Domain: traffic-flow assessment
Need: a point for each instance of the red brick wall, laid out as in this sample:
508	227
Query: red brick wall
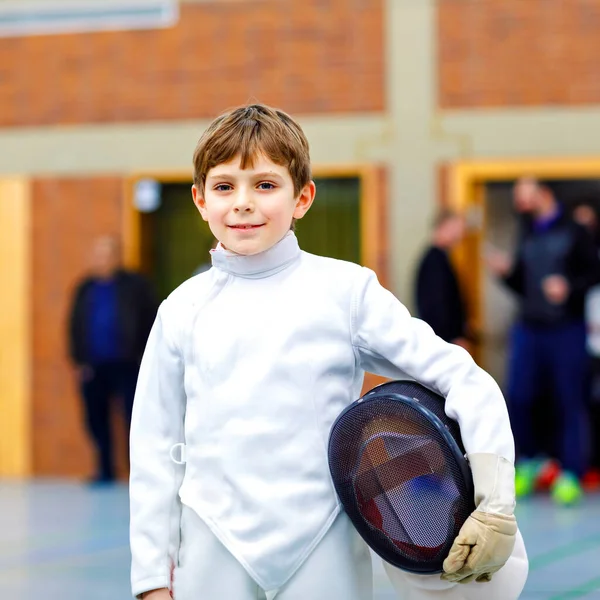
67	214
518	52
305	56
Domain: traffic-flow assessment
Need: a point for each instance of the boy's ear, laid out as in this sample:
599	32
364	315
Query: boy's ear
305	200
199	202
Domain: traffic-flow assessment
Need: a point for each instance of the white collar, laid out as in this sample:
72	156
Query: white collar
257	266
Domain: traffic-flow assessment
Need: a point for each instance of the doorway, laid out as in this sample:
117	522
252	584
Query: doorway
501	231
347	221
170	241
482	191
175	241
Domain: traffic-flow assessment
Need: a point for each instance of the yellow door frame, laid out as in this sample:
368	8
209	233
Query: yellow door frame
373	211
467	180
15	324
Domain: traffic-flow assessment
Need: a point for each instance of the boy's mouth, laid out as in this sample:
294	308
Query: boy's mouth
245	226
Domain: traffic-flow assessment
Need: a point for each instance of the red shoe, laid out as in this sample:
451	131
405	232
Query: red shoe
591	480
549	472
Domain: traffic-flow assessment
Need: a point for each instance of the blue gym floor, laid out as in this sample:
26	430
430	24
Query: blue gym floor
67	542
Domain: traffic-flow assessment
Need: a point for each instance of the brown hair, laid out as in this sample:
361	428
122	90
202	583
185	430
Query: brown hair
247	131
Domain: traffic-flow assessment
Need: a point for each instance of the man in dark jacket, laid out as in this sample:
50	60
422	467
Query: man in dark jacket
110	320
438	297
554	267
585	213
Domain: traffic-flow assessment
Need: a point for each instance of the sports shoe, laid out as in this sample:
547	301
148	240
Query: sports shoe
591	480
567	490
548	473
526	473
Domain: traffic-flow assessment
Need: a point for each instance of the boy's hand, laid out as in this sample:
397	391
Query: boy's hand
162	594
482	547
487	538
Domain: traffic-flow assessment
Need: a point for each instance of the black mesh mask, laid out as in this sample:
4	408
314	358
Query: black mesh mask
399	468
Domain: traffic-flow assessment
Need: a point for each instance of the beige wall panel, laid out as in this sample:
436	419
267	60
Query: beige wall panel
526	132
167	146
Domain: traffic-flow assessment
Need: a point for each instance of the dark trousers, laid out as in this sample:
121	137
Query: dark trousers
595	412
555	356
107	381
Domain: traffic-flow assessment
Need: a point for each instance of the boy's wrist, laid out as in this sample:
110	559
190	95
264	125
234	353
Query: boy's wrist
494	482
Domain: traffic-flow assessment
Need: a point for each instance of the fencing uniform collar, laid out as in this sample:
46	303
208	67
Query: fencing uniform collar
263	264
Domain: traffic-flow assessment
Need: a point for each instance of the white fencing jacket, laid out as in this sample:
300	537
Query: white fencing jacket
249	364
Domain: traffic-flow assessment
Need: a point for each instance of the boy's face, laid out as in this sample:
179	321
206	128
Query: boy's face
250	210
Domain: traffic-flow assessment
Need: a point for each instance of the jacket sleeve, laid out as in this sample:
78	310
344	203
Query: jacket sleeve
515	278
389	342
157	425
75	325
584	263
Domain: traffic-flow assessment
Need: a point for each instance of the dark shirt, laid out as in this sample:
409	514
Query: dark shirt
545	223
438	298
131	312
103	322
557	247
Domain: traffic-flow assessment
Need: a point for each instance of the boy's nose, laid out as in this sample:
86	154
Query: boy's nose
243	203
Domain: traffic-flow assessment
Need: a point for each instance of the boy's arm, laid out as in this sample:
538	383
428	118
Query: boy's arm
389	342
157	425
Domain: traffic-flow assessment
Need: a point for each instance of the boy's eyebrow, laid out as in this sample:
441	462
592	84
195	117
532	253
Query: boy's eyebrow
266	174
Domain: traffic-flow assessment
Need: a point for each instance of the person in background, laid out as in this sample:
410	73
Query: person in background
110	319
438	297
553	268
585	214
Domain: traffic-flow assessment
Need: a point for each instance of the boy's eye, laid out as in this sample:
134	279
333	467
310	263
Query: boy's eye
222	187
266	185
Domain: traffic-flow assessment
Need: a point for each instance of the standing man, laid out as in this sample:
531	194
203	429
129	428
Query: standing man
554	266
585	214
438	298
110	320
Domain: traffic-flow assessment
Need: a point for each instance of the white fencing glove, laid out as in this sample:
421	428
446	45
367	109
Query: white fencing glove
487	538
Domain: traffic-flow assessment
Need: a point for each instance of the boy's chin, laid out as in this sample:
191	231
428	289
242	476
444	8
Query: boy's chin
248	248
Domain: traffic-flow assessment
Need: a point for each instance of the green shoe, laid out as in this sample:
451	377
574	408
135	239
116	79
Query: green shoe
526	473
567	490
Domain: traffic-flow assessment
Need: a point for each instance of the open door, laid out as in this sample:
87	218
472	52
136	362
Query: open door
483	192
171	242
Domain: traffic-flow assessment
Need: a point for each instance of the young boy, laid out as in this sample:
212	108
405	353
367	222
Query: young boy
247	367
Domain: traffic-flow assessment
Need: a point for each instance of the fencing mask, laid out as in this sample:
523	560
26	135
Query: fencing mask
399	468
